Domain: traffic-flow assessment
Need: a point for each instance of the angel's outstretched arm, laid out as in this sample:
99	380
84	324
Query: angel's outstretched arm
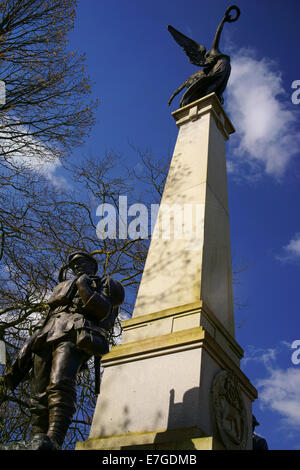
227	19
181	87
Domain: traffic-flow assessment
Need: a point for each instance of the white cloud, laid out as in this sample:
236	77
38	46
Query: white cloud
260	111
46	168
279	390
294	246
24	151
291	252
265	356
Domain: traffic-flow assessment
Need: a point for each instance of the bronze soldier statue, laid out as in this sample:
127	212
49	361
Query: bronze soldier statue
217	68
81	312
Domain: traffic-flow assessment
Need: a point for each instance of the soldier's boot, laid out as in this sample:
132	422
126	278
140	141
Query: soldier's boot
59	422
41	441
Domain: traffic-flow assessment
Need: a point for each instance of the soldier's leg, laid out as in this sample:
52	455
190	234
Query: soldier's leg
39	401
67	360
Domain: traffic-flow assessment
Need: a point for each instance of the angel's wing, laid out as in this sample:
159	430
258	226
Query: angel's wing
195	51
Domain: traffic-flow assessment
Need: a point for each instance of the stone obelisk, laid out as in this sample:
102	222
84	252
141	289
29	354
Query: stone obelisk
175	381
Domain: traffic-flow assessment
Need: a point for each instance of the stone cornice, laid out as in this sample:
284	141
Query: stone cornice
186	309
197	109
173	343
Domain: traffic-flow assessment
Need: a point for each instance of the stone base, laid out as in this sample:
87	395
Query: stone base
158	389
16	445
176	439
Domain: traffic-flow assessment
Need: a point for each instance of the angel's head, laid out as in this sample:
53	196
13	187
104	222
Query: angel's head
210	57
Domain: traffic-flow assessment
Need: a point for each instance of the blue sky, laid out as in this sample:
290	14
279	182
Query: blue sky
135	66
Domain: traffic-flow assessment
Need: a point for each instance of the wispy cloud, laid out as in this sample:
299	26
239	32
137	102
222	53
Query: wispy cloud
291	252
260	110
264	356
279	390
25	151
47	169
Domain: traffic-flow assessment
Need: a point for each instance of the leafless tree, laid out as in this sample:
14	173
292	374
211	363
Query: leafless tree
41	226
46	111
44	117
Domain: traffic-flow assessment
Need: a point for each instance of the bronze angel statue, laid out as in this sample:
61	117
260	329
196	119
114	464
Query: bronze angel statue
216	65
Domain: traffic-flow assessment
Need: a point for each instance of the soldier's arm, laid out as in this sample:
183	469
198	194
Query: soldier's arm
97	304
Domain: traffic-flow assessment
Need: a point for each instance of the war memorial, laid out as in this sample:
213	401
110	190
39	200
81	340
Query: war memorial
174	382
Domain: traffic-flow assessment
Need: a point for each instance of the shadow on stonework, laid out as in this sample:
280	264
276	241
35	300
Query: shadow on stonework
182	426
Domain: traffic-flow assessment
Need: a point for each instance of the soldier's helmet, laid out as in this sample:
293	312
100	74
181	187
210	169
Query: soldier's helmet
115	289
82	254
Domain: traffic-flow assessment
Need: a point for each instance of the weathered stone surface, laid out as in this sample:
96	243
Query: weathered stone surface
16	445
2	352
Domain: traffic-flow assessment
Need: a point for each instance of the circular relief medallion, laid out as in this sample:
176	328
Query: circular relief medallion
229	411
